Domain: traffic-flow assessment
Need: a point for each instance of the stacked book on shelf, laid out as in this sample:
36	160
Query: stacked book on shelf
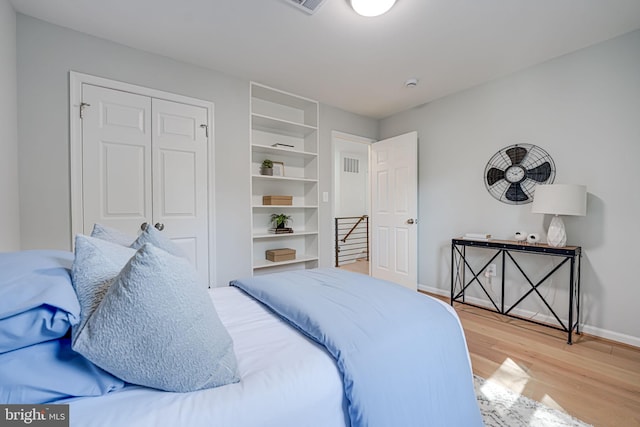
281	230
485	237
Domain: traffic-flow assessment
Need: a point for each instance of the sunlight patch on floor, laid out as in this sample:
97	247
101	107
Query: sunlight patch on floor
548	400
511	375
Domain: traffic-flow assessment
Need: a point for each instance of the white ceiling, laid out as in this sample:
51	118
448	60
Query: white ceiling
345	60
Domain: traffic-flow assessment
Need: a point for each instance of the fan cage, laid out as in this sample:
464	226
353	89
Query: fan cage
534	157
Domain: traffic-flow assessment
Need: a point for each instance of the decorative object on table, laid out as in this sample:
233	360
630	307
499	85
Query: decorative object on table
283	254
512	174
520	236
278	169
267	167
282	230
281	145
280	220
477	236
277	200
559	199
533	238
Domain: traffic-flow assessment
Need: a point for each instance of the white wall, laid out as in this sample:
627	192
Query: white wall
9	202
351	189
584	109
46	54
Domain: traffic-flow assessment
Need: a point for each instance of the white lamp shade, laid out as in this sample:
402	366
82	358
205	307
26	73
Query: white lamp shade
372	7
560	199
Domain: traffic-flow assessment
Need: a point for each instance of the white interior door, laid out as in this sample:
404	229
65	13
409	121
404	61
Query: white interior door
116	159
180	202
394	200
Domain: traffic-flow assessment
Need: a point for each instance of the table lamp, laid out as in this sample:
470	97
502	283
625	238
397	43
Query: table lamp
559	199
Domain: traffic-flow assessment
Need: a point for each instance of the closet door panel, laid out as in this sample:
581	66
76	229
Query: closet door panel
116	155
178	172
180	176
123	181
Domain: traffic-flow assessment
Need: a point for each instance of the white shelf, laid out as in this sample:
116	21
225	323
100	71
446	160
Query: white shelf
284	235
285	207
280	127
285	100
283	178
265	263
257	148
279	117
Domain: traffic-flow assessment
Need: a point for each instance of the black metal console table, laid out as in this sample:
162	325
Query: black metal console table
459	284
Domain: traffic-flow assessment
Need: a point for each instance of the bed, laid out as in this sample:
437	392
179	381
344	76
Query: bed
290	367
277	366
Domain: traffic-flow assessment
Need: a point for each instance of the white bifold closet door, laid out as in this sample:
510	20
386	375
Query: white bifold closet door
145	161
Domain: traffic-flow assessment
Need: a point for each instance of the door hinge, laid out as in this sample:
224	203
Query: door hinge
82	107
206	130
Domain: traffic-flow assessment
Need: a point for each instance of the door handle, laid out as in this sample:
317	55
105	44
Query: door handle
159	226
412	221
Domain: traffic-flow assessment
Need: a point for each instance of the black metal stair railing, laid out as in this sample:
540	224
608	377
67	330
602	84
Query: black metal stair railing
351	239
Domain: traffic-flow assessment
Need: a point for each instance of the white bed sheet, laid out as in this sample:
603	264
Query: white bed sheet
286	380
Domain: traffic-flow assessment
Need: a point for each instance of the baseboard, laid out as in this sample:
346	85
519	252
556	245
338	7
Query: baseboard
611	335
587	329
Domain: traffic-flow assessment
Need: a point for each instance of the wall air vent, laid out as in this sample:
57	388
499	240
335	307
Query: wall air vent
351	165
309	6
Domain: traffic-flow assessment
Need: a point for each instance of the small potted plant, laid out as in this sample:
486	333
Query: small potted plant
280	220
267	167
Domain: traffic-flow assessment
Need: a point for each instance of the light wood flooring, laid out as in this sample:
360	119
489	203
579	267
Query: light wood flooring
359	266
595	380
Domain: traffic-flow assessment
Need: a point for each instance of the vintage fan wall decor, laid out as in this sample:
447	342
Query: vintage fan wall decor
512	174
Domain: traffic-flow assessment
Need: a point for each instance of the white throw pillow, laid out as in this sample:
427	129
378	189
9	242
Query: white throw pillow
159	240
112	235
157	327
96	265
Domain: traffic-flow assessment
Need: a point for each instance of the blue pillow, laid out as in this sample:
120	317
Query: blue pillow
37	300
112	235
159	240
157	327
95	266
48	372
148	235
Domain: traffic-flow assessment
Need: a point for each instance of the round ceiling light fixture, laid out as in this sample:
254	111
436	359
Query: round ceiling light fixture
372	7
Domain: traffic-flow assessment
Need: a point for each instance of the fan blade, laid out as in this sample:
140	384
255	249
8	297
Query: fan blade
494	175
515	193
540	173
516	154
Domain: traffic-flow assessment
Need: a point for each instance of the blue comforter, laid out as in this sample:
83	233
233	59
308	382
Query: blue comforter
402	354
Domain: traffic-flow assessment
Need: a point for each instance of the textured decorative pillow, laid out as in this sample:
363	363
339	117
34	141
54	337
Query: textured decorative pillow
112	235
96	265
37	300
159	240
51	371
158	328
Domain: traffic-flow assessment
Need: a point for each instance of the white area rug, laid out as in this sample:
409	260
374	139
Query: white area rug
500	407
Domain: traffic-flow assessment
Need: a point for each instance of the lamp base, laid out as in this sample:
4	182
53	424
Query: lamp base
557	236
